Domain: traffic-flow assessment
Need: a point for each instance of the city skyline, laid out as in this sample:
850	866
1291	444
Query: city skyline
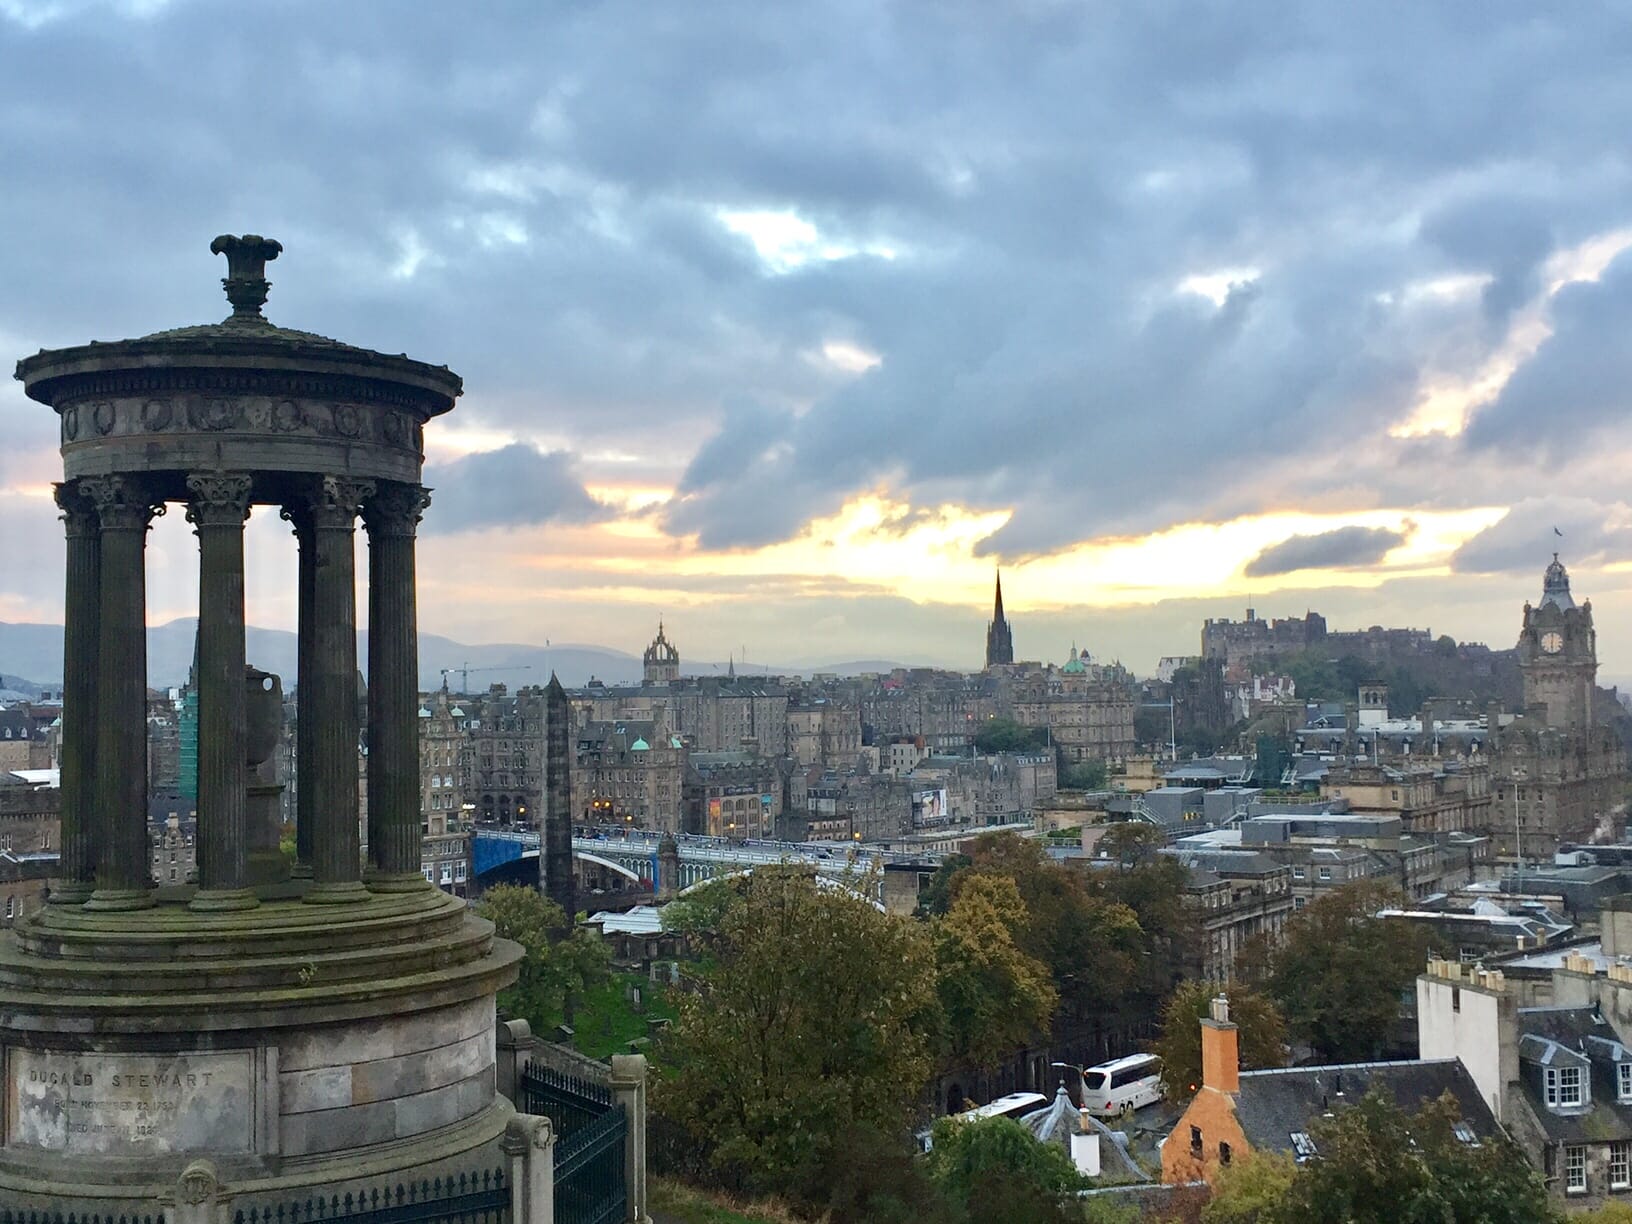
1169	315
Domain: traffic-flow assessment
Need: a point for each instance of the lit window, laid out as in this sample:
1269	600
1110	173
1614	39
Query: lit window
1620	1164
1575	1170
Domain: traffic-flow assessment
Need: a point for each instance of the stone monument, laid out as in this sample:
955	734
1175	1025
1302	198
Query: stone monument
297	1024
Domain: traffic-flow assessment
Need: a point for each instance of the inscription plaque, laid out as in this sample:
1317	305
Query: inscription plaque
131	1104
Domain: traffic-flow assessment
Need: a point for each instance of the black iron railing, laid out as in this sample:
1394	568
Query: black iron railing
589	1173
469	1198
568	1101
13	1215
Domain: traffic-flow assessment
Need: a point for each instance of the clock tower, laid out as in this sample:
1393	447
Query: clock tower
1558	653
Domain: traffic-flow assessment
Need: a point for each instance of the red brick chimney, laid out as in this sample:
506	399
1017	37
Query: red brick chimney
1220	1050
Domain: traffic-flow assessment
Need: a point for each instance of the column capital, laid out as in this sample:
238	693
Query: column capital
395	509
335	501
122	501
78	510
217	499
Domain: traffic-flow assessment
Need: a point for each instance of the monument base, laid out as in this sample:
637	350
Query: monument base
293	1054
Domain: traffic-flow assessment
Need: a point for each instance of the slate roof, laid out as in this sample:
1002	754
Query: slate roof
1274	1105
1573	1036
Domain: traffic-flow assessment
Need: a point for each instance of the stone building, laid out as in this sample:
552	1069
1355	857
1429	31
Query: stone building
23	742
1088	708
733	794
1561	772
626	773
823	732
1441	796
1236	895
501	763
942	709
29	818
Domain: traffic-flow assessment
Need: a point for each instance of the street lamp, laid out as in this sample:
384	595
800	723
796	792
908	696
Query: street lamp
1082	1080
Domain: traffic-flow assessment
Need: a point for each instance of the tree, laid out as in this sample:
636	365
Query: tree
994	997
1006	735
1379	1165
1085	775
937	896
1340	971
1261	1033
817	1017
1251	1191
1002	1172
551	969
1131	842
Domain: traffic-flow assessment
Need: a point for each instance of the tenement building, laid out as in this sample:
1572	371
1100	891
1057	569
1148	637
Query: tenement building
277	1028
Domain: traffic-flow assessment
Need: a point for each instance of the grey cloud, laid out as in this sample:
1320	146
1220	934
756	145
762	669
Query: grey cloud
1034	354
1338	549
514	486
1524	539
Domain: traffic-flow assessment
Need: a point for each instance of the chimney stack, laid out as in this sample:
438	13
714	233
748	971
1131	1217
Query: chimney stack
1220	1049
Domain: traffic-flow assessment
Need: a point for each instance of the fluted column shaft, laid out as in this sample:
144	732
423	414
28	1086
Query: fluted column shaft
336	848
124	878
391	517
217	506
299	517
81	615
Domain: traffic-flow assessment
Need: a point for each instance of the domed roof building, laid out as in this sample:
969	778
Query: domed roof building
661	660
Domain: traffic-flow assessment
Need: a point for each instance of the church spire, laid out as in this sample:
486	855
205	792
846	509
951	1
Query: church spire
999	636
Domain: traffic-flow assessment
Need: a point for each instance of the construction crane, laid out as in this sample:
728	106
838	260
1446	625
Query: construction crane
466	669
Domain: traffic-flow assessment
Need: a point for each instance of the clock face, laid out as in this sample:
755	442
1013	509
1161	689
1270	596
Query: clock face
1552	643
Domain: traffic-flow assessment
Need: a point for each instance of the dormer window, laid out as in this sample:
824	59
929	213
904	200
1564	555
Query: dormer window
1563	1087
1623	1081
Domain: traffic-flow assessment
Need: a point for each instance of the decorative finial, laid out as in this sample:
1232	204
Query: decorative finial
245	281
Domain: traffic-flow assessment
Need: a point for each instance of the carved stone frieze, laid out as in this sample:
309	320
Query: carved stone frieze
261	415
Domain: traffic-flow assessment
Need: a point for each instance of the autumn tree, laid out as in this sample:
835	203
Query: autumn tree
1253	1190
1261	1033
818	1016
994	996
1339	970
552	968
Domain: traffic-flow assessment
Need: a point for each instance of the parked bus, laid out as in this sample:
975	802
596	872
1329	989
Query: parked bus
1015	1105
1122	1085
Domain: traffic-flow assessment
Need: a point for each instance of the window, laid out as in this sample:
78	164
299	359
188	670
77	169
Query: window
1575	1170
1623	1080
1195	1140
1223	1153
1303	1147
1297	902
1620	1165
1563	1086
1297	873
1325	873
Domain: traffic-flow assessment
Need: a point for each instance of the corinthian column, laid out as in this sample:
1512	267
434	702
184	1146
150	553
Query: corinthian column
81	614
124	879
391	516
299	517
217	507
333	507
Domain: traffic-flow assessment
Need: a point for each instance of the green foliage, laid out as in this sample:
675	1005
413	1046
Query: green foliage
1131	842
817	1017
994	997
937	897
1000	1171
1006	735
1252	1190
551	968
1378	1164
1261	1033
701	913
1339	972
1086	775
1609	1213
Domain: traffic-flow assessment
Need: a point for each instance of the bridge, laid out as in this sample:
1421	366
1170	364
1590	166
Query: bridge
626	859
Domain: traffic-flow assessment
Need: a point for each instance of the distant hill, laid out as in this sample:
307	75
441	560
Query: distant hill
35	651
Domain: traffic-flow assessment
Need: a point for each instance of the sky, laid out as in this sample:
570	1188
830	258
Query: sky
790	323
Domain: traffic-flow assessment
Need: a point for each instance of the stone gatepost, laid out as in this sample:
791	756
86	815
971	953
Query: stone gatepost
629	1090
529	1142
198	1197
512	1047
